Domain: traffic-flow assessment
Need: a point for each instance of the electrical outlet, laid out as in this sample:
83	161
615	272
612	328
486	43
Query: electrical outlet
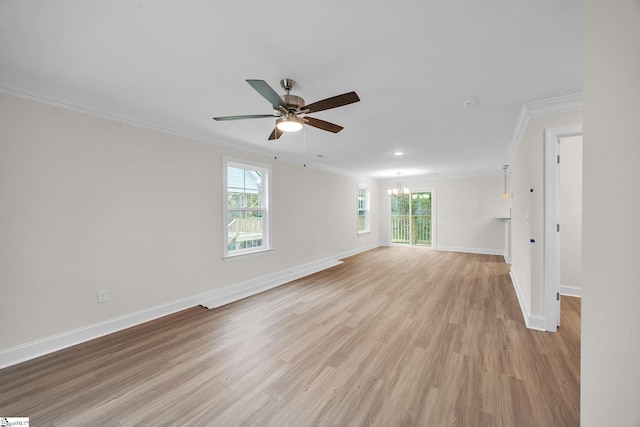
103	296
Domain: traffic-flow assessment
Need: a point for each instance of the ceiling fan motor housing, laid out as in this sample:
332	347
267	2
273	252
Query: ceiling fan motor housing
293	101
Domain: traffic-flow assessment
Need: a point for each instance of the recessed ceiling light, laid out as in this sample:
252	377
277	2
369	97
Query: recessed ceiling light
398	153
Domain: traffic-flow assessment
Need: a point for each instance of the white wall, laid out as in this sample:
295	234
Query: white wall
570	213
610	379
466	212
87	203
527	211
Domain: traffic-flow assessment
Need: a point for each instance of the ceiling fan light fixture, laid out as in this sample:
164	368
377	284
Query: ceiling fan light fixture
289	123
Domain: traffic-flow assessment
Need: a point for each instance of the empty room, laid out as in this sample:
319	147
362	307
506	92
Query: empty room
360	213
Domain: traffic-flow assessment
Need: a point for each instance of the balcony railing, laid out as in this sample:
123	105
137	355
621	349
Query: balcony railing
415	229
242	230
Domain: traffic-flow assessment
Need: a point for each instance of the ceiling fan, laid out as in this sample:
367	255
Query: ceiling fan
291	112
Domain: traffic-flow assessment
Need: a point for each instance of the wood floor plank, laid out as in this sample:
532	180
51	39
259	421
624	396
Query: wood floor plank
393	336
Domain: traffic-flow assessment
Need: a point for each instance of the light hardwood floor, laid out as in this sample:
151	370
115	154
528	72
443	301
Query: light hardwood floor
392	337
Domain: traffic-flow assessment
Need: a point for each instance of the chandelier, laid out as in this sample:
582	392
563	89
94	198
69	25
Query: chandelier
398	190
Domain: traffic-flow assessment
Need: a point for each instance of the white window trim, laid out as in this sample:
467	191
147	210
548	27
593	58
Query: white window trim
266	198
367	208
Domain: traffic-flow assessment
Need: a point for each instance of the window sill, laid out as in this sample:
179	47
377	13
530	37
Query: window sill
245	255
364	232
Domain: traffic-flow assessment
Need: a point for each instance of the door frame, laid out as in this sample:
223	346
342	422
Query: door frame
434	203
552	138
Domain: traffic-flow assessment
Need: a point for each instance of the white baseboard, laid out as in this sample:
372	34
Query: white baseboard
533	322
211	299
347	254
507	259
481	251
238	291
571	291
34	349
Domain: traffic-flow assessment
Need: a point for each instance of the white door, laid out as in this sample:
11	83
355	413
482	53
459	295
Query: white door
553	226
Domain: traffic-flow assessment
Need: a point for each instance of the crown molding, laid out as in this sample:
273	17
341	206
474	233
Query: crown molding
38	92
545	107
44	94
438	177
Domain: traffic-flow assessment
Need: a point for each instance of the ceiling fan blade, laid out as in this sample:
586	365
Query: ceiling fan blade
333	102
321	124
268	93
277	133
250	116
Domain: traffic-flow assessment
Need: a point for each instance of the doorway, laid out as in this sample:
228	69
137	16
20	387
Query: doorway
411	218
553	226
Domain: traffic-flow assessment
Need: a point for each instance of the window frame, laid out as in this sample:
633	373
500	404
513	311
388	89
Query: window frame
265	170
366	209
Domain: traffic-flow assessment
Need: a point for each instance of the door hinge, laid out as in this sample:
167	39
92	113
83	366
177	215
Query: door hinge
558	227
557	296
558	158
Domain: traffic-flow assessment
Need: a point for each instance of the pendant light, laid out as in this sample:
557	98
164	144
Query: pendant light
505	193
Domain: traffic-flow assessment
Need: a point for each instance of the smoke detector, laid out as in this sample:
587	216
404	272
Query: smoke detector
469	102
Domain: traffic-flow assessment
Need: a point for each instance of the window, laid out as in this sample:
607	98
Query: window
363	210
246	207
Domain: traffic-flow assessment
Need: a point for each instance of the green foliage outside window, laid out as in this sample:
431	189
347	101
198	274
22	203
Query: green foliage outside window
411	218
243	200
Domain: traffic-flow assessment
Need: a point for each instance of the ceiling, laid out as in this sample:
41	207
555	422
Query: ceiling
175	65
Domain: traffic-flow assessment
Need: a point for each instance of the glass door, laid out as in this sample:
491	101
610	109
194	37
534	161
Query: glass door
411	218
